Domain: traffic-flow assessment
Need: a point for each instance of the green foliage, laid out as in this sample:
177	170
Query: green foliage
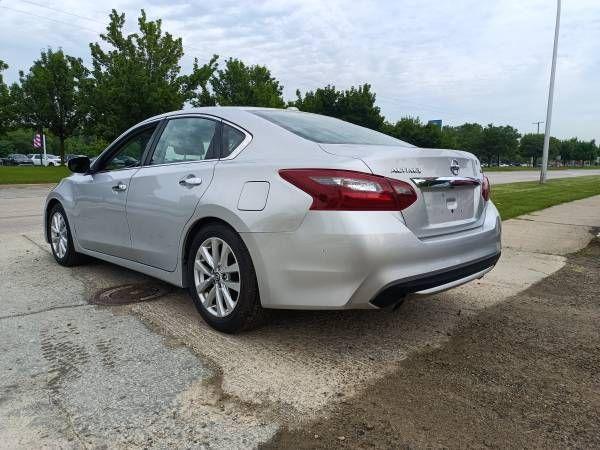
241	85
50	95
469	137
85	145
413	131
140	76
8	103
532	145
586	151
515	199
499	142
5	101
355	105
29	174
20	140
16	141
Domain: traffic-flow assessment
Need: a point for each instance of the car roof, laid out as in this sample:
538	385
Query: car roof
226	112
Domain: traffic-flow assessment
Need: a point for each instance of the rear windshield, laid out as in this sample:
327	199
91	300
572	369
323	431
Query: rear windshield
326	130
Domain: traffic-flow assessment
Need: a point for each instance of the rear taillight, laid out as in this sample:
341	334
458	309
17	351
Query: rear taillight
346	190
485	188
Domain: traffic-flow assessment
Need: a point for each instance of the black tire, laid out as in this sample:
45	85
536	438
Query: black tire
71	257
247	313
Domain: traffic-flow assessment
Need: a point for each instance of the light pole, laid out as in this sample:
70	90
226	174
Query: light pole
550	98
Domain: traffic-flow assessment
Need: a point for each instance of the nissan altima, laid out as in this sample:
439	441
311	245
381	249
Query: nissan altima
255	208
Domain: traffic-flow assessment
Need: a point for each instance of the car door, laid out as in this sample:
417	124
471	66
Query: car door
100	220
165	192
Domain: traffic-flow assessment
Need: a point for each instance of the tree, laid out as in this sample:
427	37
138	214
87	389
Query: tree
241	85
585	151
50	95
411	130
499	142
567	149
532	145
6	102
140	76
355	105
470	137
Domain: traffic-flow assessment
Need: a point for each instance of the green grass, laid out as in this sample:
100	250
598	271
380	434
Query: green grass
32	175
515	199
537	169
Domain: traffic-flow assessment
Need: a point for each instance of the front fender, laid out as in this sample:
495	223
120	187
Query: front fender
63	194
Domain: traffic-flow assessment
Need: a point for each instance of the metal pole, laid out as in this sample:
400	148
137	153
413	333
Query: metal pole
550	98
45	159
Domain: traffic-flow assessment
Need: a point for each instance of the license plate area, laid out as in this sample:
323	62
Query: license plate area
449	205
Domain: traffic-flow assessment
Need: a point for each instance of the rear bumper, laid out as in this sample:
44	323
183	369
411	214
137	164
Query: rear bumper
437	281
345	259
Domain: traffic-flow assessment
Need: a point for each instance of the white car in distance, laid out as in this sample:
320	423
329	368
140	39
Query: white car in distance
48	160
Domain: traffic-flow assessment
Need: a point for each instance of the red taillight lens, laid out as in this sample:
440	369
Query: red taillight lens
485	188
346	190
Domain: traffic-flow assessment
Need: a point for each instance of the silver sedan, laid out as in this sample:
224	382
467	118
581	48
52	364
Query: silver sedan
253	208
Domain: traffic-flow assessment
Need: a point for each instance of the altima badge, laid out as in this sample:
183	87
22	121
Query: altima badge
454	167
406	170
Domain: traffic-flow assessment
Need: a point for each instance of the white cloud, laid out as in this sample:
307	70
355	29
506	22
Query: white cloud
460	61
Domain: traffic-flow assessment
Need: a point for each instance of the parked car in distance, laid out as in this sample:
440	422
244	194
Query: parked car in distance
17	159
48	161
253	208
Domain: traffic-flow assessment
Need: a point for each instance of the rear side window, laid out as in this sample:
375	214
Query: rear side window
326	130
232	138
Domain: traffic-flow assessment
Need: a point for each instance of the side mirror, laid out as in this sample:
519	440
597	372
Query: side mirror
80	164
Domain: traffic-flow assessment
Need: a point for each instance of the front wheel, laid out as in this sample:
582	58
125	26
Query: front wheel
222	281
61	240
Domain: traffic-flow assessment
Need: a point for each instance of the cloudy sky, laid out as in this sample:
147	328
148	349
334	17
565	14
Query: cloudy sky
461	60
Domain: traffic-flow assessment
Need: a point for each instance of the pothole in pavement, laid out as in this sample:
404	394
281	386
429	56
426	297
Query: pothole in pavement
130	293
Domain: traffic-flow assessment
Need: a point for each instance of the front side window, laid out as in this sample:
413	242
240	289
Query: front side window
187	139
232	138
130	152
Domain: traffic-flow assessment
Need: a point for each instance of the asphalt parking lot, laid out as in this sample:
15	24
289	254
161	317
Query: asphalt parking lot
152	374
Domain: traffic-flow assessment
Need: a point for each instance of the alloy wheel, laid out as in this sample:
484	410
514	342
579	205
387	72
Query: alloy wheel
217	277
58	235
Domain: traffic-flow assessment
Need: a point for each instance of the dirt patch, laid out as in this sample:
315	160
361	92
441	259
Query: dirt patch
524	373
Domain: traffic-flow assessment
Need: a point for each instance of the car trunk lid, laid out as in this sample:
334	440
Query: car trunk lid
447	182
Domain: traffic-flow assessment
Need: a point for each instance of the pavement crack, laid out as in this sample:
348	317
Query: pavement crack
39	311
37	244
69	418
552	223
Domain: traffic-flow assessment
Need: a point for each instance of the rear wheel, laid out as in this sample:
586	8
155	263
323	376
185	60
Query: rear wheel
61	240
222	280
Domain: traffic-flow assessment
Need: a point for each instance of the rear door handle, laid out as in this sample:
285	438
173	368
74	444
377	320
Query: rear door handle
191	181
120	187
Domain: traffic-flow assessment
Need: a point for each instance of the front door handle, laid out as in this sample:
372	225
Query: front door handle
191	181
120	187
